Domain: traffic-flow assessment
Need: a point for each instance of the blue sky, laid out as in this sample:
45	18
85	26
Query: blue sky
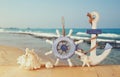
48	13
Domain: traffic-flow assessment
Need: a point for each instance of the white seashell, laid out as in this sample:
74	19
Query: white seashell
29	60
49	65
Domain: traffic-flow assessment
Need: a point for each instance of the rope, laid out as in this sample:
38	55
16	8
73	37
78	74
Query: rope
92	47
94	37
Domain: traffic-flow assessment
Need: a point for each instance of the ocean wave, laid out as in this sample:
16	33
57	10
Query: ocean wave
82	35
51	35
108	35
2	30
111	35
36	34
78	38
40	34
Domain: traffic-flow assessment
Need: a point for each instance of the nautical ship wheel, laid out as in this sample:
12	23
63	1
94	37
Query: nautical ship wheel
63	47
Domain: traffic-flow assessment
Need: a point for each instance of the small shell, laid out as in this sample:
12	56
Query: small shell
29	60
49	65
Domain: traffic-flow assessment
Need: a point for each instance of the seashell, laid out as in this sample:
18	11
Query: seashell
49	65
29	60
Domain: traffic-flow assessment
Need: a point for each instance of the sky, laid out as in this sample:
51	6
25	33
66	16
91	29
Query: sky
48	13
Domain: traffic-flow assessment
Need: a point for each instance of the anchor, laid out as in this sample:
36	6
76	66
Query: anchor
94	59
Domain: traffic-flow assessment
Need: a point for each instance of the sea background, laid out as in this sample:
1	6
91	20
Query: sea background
34	38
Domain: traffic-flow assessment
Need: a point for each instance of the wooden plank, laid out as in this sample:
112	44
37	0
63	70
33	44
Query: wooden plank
104	71
116	70
74	72
95	71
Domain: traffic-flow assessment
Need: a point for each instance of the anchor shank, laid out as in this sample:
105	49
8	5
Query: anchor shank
93	41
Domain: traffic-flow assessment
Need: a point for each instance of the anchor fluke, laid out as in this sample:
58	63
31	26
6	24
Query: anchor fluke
97	59
108	46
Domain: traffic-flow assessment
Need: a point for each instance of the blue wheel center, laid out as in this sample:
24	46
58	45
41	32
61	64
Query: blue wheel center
64	48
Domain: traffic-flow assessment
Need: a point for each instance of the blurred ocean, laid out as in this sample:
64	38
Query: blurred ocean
107	34
35	38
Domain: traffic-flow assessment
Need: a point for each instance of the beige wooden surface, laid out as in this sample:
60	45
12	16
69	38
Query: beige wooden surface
96	71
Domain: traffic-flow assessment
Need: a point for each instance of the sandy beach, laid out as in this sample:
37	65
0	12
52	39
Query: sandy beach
9	55
10	68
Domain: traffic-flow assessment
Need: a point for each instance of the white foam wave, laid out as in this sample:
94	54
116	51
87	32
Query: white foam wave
40	34
51	35
7	31
109	35
37	34
43	34
99	40
78	38
2	30
82	33
107	40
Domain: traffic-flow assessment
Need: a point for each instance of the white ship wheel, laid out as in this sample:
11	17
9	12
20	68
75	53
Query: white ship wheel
63	47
